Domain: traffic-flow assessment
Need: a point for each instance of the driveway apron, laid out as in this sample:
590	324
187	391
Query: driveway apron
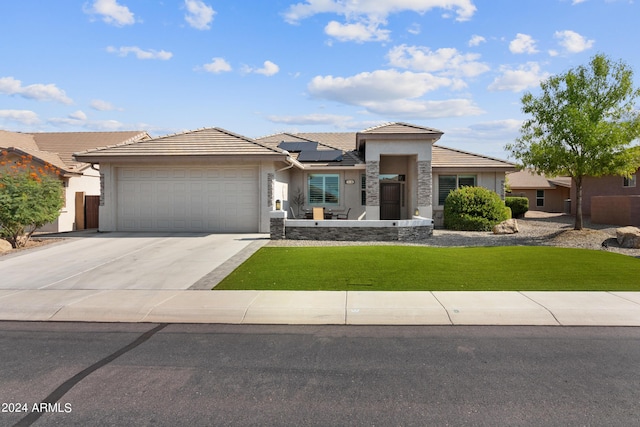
122	261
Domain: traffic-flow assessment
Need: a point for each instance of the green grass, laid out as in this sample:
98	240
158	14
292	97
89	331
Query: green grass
411	268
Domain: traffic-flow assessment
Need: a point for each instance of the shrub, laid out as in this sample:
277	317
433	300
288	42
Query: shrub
519	205
30	197
474	209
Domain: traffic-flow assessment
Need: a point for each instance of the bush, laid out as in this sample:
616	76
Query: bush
474	209
30	197
519	205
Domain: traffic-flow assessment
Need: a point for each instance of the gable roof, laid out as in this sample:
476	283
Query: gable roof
212	142
57	148
400	127
452	159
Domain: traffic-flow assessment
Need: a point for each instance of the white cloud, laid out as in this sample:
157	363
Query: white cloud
573	42
574	2
268	69
523	43
78	115
498	126
363	18
217	66
140	53
111	12
376	10
312	119
447	61
24	117
40	92
100	105
476	40
96	125
414	29
199	15
516	80
379	85
358	32
392	93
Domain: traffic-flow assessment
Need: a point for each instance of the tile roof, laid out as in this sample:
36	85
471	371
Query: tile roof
200	142
444	158
44	156
400	127
59	146
527	179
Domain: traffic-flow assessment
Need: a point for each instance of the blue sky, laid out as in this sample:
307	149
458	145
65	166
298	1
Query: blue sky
258	67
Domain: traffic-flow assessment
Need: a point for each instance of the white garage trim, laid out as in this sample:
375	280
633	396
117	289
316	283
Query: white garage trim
190	199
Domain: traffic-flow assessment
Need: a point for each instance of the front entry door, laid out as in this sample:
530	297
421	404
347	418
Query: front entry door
390	200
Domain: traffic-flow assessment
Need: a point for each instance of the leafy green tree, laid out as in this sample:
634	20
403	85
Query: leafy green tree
30	197
583	124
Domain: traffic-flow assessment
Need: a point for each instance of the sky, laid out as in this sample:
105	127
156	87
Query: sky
259	67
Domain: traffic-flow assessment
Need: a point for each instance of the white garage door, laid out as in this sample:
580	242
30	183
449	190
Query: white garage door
221	199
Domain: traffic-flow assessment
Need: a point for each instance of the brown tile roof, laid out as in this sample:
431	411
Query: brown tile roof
42	157
399	127
59	146
17	139
449	158
527	179
201	142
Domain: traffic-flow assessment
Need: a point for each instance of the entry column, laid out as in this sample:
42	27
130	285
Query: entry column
373	189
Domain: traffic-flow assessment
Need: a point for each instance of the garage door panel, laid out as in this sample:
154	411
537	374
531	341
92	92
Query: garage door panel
188	199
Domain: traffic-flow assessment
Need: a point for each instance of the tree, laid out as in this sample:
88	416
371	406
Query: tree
583	124
30	197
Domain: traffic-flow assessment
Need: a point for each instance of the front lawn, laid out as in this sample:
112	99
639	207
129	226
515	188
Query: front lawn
417	268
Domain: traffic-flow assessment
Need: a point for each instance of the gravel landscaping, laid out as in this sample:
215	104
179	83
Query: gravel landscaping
535	229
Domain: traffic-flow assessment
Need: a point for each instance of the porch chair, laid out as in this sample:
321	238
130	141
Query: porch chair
318	213
344	215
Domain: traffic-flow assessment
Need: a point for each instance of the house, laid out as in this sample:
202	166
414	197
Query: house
544	194
610	199
80	179
214	180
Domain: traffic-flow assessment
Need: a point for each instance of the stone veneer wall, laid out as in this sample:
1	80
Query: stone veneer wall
425	177
373	183
360	234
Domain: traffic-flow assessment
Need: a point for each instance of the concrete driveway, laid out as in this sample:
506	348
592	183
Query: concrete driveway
122	261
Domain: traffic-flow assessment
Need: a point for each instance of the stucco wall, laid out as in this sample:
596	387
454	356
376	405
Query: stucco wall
616	210
603	186
553	199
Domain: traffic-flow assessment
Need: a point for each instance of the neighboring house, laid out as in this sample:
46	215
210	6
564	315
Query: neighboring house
544	194
79	179
610	199
213	180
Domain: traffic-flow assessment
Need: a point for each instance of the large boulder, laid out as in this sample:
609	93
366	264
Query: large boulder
4	246
509	226
628	237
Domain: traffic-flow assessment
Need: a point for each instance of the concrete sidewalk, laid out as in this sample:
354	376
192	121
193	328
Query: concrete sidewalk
339	307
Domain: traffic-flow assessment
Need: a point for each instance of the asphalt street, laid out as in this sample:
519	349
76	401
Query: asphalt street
169	374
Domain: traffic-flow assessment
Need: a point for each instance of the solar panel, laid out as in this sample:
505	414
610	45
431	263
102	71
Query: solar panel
320	156
296	147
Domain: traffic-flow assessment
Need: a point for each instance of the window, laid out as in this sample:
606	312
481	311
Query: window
629	182
363	190
448	183
324	189
540	198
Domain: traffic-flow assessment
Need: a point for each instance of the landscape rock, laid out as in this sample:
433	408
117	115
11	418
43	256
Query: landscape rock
4	246
628	237
509	226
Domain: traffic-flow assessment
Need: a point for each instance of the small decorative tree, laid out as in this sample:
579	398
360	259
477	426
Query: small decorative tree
30	197
298	201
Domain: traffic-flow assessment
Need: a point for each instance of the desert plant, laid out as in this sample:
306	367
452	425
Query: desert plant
298	201
519	205
474	209
30	197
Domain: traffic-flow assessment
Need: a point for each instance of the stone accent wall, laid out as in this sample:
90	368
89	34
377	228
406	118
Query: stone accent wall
270	179
373	183
277	228
359	234
425	186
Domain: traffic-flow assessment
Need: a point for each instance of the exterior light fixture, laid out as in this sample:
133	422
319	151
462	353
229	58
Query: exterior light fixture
350	181
278	205
417	212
